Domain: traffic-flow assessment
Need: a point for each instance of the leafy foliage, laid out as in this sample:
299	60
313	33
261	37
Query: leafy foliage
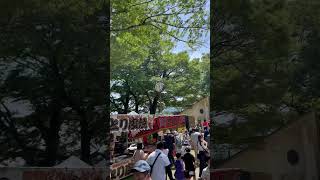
56	51
264	68
143	36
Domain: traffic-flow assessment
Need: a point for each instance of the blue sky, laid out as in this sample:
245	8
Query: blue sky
197	53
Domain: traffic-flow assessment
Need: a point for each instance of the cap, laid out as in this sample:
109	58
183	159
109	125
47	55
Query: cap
141	166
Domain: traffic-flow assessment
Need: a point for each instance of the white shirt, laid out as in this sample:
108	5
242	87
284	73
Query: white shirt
166	151
186	137
159	168
206	173
194	137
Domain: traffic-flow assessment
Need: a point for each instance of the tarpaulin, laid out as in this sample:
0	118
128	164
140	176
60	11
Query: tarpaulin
162	123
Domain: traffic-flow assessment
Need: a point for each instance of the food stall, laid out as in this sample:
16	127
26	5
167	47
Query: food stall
127	130
121	127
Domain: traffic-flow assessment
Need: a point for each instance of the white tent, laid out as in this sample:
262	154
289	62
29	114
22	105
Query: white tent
133	113
73	162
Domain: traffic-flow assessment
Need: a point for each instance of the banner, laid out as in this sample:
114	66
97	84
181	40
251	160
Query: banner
121	169
123	122
170	122
163	122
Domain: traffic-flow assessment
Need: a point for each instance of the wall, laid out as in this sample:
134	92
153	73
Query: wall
195	110
271	156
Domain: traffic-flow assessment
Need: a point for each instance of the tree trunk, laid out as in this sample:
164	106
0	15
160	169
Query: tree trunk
85	140
53	136
136	104
136	109
154	104
126	104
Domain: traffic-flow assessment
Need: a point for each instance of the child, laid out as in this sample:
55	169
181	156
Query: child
185	146
189	162
179	165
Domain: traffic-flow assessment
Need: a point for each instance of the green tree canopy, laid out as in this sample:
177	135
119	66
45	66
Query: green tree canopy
144	34
264	68
53	48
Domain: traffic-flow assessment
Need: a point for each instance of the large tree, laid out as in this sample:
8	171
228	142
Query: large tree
58	53
249	59
261	59
143	36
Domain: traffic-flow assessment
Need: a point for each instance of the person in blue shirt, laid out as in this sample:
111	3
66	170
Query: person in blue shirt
206	133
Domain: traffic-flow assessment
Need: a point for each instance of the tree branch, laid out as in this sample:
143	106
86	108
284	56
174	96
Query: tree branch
144	21
180	27
149	98
126	10
141	3
171	35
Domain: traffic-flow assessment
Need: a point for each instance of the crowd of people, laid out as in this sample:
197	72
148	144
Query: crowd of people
174	151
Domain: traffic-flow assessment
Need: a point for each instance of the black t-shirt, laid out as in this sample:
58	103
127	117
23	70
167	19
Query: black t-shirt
169	140
188	161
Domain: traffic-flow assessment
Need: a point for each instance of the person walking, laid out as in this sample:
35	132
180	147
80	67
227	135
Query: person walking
206	171
205	125
166	152
206	133
186	136
202	154
178	140
170	143
179	165
159	163
141	170
194	141
189	162
165	149
194	138
139	154
185	145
